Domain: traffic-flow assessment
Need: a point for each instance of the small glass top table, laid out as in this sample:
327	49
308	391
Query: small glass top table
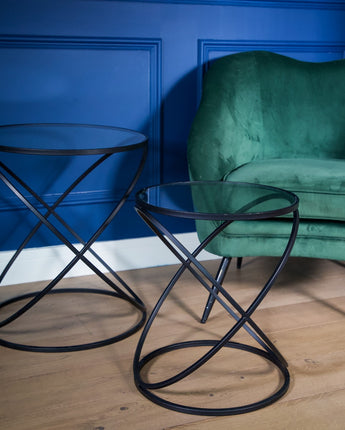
222	203
68	140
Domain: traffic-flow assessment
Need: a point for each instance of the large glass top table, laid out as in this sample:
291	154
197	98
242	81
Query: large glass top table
94	144
220	203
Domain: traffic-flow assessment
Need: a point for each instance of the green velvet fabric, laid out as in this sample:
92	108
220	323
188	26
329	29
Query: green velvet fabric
319	184
270	119
317	239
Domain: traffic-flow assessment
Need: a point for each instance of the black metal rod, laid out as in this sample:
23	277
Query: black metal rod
217	411
222	270
50	209
132	298
242	320
71	348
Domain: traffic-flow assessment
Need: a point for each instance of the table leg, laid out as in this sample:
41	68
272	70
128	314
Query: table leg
118	287
243	319
223	268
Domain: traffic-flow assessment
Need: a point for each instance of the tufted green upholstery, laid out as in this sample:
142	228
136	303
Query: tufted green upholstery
270	119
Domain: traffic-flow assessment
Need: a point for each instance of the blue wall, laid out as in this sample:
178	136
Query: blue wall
137	65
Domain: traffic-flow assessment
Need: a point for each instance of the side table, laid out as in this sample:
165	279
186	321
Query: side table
95	144
221	203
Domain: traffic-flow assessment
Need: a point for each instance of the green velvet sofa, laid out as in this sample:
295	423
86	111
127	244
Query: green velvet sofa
270	119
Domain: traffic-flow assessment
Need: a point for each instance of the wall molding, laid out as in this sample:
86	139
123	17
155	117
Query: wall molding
152	46
42	264
73	199
296	4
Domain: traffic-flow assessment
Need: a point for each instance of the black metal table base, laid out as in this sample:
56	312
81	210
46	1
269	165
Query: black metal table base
147	389
243	320
61	229
71	348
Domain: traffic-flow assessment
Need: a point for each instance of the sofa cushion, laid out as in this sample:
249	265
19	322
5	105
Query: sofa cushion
319	184
321	239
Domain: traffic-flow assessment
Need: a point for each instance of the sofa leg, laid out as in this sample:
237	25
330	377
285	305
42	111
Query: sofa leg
239	262
223	268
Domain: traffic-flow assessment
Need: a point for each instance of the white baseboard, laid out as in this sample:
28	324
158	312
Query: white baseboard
39	264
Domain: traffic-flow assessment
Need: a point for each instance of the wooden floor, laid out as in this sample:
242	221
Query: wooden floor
304	315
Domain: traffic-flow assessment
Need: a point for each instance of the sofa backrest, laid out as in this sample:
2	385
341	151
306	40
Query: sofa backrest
259	104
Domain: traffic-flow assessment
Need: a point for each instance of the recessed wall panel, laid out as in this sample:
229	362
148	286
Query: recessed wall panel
76	80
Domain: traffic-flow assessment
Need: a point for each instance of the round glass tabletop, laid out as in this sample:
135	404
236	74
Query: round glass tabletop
67	139
217	200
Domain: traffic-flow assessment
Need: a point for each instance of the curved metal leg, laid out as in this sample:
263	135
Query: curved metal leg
123	291
243	319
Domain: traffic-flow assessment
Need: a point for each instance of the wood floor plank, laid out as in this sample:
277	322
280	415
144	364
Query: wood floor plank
319	412
304	315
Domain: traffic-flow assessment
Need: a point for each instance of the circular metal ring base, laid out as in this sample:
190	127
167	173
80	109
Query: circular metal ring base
145	390
80	347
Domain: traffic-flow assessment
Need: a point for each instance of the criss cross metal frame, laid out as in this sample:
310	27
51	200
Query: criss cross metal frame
118	288
243	319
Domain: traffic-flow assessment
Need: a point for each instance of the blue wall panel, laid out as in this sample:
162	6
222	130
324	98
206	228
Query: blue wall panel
79	80
137	64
